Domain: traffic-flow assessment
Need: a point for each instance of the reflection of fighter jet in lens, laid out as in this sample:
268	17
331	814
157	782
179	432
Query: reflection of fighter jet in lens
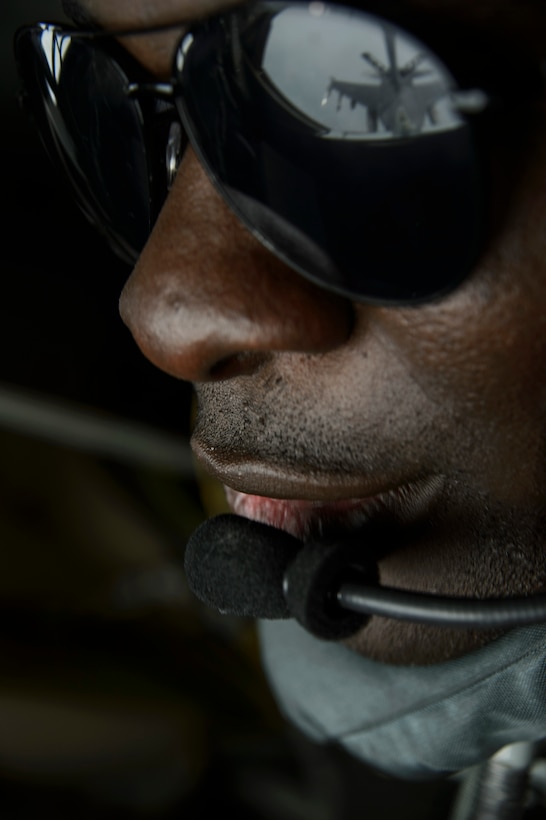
395	102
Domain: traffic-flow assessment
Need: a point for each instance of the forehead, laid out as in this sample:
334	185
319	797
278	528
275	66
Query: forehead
143	13
522	20
128	13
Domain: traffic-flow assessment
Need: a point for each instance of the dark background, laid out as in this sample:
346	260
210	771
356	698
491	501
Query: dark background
119	695
59	323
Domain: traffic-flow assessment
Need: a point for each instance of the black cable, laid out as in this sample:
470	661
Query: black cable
467	613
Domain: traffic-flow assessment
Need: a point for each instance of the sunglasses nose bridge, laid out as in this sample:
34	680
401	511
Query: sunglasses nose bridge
206	299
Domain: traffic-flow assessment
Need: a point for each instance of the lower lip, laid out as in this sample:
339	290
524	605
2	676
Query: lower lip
304	518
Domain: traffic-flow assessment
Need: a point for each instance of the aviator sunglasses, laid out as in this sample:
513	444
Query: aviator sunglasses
354	145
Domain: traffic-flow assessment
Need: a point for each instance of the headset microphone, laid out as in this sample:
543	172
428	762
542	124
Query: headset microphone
245	568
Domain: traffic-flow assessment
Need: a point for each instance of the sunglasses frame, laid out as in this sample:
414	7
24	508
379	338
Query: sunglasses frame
500	82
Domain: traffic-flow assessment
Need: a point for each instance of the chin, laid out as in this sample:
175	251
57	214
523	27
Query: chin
406	644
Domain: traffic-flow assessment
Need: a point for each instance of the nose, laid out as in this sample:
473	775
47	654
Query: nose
207	300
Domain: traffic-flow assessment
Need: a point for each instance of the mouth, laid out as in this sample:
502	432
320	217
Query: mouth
401	506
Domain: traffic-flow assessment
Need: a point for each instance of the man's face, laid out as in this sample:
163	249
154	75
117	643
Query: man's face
427	421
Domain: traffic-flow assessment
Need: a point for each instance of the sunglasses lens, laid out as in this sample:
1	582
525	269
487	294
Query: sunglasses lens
333	135
78	96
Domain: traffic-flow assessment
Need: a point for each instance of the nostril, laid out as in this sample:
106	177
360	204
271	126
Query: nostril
237	364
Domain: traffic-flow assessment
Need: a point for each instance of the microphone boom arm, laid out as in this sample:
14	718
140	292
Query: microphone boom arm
457	613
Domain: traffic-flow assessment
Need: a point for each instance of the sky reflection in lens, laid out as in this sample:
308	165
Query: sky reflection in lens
359	77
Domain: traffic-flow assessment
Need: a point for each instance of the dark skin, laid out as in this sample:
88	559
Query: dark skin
304	395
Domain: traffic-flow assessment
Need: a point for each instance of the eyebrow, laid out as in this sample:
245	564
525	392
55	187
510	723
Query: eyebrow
90	26
93	26
78	13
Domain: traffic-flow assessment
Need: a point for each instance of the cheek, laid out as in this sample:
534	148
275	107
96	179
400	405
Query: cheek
483	347
474	352
479	358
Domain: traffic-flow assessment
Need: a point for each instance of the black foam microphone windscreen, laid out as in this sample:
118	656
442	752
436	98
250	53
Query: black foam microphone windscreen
237	566
241	567
315	576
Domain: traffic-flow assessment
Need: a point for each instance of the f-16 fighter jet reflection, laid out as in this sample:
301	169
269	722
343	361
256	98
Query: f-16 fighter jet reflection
396	102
